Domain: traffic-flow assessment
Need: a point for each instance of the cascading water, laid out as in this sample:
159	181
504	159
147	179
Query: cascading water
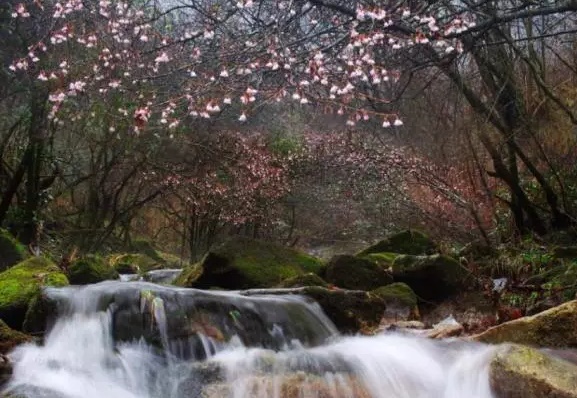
142	340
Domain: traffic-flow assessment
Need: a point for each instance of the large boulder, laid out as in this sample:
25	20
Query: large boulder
90	269
133	263
401	301
405	242
350	272
310	279
523	372
243	263
11	251
432	278
556	327
21	283
352	311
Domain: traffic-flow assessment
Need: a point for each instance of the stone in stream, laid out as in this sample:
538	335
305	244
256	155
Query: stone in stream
523	372
90	269
404	242
292	385
556	327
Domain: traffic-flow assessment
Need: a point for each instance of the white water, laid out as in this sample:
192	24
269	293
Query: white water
80	359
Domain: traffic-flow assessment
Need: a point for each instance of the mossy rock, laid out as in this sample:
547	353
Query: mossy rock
384	260
355	273
21	283
309	279
523	372
556	327
42	313
10	338
432	278
189	275
243	263
90	269
11	251
398	293
405	242
400	300
133	263
167	260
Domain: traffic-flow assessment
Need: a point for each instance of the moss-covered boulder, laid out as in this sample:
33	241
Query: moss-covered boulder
189	275
90	269
165	260
405	242
243	263
384	260
432	278
556	327
21	283
355	273
523	372
11	251
401	302
10	338
309	279
42	313
133	263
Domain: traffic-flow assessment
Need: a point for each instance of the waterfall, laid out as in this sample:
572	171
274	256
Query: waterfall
129	340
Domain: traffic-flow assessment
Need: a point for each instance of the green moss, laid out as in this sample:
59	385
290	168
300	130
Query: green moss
350	272
308	279
11	251
19	285
397	292
405	242
90	269
242	263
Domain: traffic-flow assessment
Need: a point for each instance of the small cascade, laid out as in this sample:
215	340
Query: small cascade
129	340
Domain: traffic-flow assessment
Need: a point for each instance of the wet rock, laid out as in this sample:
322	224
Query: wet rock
523	372
243	263
292	385
90	269
41	314
354	273
11	251
164	276
556	327
10	338
448	327
352	311
309	279
21	283
432	278
405	242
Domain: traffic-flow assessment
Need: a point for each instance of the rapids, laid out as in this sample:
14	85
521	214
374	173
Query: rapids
141	340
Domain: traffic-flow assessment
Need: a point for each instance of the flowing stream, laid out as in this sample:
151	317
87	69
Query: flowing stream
141	340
